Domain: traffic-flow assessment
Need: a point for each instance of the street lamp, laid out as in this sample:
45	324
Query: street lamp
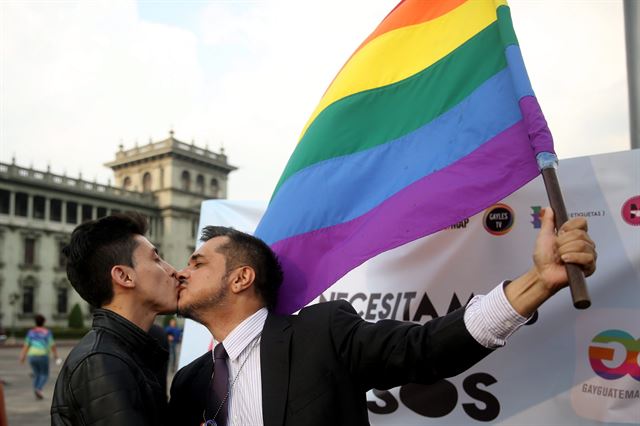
13	301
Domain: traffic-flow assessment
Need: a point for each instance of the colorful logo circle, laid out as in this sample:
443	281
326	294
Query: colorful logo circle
498	219
631	211
602	353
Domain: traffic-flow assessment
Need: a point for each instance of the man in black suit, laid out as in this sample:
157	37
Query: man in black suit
315	368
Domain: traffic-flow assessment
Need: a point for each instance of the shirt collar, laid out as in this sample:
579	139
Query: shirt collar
245	333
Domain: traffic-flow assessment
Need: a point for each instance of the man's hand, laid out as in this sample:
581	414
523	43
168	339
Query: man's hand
572	244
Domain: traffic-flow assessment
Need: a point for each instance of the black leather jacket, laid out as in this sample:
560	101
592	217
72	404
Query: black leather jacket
112	377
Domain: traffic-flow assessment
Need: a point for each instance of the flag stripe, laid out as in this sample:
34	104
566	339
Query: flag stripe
407	12
401	53
387	168
401	218
383	114
411	12
518	72
503	13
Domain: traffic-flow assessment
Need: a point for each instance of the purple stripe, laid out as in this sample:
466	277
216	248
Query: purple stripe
539	133
313	261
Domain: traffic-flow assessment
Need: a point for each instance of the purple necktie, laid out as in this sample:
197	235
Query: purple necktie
220	385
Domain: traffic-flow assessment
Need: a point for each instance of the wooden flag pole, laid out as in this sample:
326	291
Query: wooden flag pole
577	284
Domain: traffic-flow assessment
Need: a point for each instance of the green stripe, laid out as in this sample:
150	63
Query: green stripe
506	26
373	117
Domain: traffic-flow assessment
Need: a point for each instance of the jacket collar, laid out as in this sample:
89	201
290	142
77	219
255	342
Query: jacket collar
139	342
274	364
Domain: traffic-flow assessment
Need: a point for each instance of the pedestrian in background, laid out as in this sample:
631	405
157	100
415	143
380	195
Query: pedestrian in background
37	345
174	334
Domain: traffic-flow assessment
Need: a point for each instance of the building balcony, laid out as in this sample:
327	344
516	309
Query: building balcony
75	185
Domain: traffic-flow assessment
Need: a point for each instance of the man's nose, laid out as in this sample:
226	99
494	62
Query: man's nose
170	269
182	275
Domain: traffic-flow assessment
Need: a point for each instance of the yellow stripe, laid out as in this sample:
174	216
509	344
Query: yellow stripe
401	53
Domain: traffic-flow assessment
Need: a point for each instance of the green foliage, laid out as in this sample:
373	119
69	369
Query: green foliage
68	333
76	320
58	332
166	319
19	332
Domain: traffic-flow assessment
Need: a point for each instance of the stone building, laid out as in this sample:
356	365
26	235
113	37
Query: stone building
165	180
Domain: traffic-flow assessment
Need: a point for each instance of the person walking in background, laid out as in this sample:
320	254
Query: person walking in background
174	334
37	345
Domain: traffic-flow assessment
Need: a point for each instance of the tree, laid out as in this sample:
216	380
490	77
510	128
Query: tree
76	320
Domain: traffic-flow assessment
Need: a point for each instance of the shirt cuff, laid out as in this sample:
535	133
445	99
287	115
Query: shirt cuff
491	319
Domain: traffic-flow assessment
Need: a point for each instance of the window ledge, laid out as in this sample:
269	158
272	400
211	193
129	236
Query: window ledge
24	267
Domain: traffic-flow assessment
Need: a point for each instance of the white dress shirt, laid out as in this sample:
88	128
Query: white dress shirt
490	319
243	347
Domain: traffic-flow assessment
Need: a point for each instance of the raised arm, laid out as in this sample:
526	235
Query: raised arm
572	244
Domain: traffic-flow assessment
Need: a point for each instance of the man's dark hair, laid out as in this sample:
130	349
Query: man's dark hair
96	247
245	249
40	320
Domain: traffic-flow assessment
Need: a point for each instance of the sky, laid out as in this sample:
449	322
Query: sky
78	78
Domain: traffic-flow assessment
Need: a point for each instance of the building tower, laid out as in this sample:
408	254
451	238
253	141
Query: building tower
166	181
179	176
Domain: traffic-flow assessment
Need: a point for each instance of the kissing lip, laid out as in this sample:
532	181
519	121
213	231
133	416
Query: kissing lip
181	286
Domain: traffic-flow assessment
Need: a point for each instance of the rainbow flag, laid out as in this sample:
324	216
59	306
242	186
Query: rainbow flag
431	120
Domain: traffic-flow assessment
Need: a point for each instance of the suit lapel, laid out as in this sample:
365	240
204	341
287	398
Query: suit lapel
201	382
189	391
274	364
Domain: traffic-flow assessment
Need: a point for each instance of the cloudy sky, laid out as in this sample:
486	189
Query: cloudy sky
77	78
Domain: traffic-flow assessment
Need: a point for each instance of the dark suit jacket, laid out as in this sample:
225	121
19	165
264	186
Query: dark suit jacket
318	365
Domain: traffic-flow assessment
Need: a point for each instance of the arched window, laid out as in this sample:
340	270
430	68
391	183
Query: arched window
185	180
146	182
200	184
62	297
126	183
28	295
214	188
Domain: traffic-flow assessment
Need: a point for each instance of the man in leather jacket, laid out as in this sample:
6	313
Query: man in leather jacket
111	376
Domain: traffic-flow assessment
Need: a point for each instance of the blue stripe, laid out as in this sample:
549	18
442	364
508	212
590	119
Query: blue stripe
341	189
515	63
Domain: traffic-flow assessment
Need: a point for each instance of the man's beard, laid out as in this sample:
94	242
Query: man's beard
196	308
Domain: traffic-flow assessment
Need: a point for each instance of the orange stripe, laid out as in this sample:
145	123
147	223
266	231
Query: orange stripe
411	12
407	12
599	352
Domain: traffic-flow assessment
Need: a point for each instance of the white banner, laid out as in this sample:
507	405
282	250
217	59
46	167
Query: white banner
570	367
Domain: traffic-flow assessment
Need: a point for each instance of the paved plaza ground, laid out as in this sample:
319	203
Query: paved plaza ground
23	409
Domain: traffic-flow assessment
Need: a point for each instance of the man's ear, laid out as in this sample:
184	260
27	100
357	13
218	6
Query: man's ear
123	276
242	278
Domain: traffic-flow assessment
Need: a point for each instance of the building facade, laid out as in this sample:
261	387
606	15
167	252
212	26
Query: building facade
166	181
